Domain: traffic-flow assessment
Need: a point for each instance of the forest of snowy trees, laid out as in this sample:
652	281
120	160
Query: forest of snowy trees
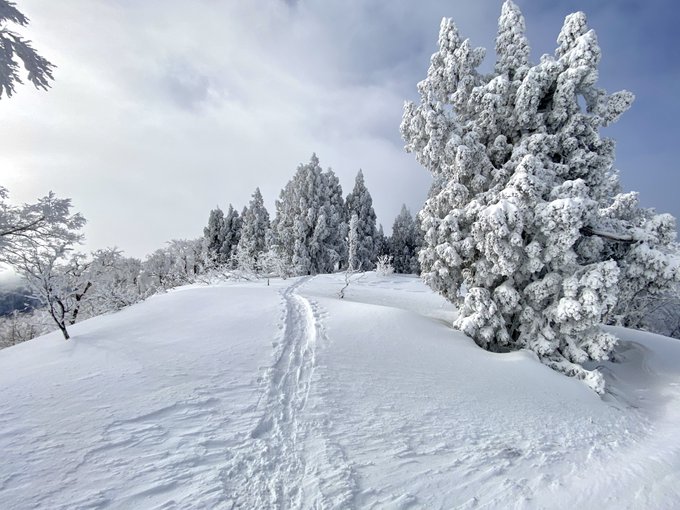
309	234
525	227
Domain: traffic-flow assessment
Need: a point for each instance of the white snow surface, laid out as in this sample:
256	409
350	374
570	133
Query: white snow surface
242	395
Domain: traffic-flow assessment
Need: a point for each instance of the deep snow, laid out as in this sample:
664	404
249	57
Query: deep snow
241	395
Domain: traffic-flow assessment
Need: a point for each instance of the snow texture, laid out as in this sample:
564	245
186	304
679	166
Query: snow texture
244	395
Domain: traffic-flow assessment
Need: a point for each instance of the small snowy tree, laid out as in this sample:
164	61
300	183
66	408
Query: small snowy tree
157	271
359	202
404	243
115	282
353	260
43	260
525	222
353	241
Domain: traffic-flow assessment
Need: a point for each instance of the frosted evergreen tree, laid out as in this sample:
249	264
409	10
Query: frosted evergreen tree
359	202
404	245
381	244
254	232
525	218
214	237
333	251
309	225
231	234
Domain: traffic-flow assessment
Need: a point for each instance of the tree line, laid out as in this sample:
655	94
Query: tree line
315	230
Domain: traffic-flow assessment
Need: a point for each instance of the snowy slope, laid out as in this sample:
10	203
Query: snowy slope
248	396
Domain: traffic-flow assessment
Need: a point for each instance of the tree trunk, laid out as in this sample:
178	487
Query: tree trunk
62	327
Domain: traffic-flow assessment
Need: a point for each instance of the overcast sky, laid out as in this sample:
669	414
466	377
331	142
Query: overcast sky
164	109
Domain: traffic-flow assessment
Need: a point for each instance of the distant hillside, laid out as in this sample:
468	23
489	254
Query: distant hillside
16	298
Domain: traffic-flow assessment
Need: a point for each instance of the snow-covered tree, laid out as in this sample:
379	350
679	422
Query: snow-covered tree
186	256
41	256
115	282
381	242
254	233
404	243
332	246
359	202
14	49
354	261
214	237
157	271
309	225
48	219
273	264
231	235
525	222
17	326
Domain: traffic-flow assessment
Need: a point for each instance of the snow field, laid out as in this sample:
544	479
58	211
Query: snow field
247	396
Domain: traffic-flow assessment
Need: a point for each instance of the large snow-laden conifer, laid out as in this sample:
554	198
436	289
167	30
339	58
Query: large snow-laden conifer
359	202
310	222
525	212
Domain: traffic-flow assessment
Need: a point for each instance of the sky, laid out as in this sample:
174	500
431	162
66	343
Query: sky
164	109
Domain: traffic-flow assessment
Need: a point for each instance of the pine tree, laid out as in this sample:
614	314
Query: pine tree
381	243
359	202
254	232
214	237
231	234
309	225
403	245
525	218
335	215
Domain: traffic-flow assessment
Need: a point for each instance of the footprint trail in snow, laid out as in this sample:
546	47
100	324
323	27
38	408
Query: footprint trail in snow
288	461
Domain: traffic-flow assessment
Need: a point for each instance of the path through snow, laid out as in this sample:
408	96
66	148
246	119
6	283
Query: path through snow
288	461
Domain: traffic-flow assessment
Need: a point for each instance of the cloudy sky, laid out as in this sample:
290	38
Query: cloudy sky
164	109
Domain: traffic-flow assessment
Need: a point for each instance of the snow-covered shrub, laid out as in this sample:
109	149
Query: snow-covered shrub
18	327
384	266
526	211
